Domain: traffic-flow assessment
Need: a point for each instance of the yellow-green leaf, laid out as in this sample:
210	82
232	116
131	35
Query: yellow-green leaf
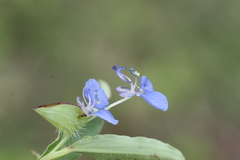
67	118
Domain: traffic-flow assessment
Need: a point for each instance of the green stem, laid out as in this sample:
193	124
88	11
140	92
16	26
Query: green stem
64	140
57	154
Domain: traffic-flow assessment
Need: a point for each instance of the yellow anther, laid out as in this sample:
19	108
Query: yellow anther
136	73
140	89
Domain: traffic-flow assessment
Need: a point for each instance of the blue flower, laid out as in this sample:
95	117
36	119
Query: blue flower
146	91
96	101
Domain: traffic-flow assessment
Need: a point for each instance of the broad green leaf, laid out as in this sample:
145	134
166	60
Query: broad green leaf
65	117
110	147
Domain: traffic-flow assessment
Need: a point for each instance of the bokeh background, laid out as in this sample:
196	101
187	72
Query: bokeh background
188	49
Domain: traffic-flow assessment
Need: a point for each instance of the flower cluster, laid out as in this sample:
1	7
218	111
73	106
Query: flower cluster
95	102
156	99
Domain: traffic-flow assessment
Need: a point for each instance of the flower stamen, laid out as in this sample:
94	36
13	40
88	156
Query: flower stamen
134	72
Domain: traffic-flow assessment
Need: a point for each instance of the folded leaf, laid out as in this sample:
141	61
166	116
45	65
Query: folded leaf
65	117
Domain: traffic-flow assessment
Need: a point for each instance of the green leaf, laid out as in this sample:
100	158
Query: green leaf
109	147
93	127
68	118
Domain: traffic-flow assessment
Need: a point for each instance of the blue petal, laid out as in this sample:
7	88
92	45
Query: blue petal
146	84
156	99
92	84
96	94
102	100
88	93
107	116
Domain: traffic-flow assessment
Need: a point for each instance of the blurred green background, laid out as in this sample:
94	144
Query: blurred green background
188	49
